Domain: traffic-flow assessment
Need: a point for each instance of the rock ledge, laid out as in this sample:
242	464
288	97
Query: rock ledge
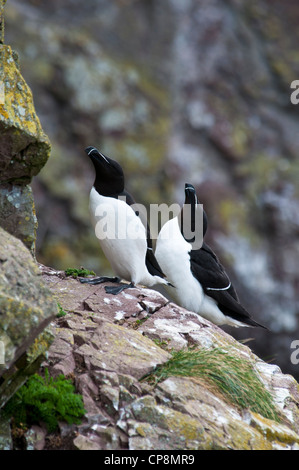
108	343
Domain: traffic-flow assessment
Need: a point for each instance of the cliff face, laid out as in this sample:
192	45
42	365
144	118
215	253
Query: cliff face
120	351
26	305
176	91
108	344
24	148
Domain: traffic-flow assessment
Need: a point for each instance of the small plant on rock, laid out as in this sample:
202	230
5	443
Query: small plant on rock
234	377
81	272
47	400
61	312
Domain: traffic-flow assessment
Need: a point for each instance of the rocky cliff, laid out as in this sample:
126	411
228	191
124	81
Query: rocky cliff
26	305
129	356
176	91
110	344
24	148
142	364
26	308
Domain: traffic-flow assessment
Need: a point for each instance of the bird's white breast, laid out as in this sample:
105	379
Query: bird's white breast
172	253
121	234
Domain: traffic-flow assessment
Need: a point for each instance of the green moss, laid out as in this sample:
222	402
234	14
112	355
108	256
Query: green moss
81	272
61	312
46	400
234	377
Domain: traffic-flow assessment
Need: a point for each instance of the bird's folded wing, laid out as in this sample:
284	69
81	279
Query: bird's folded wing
208	270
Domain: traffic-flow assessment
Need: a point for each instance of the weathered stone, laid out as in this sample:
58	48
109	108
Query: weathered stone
109	436
24	149
277	433
85	443
179	328
18	213
5	434
110	398
180	412
35	438
236	80
131	354
214	110
26	309
175	429
2	3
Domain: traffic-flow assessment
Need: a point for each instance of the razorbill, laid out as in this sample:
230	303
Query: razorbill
201	283
124	238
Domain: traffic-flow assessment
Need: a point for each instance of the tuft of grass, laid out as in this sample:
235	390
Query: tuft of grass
61	312
234	377
81	272
45	399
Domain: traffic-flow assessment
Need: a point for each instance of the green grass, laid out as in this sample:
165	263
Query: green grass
61	312
234	377
81	272
47	400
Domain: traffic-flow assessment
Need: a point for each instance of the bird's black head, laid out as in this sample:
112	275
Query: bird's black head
193	218
190	195
109	179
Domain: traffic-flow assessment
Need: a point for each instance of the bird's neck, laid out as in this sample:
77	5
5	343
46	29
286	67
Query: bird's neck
110	189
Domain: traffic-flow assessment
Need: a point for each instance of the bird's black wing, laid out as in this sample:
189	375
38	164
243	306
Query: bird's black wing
150	259
231	307
208	270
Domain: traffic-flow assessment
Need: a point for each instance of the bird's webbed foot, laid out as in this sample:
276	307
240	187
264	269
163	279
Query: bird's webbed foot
98	280
117	289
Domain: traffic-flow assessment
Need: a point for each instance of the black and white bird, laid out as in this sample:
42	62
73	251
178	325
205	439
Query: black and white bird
201	283
124	238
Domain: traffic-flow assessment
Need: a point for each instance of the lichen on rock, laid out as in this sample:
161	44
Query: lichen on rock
26	309
24	147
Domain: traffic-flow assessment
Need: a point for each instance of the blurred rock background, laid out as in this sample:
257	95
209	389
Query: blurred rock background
176	91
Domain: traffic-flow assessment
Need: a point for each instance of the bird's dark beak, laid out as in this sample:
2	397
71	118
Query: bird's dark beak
194	211
90	150
93	152
190	195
